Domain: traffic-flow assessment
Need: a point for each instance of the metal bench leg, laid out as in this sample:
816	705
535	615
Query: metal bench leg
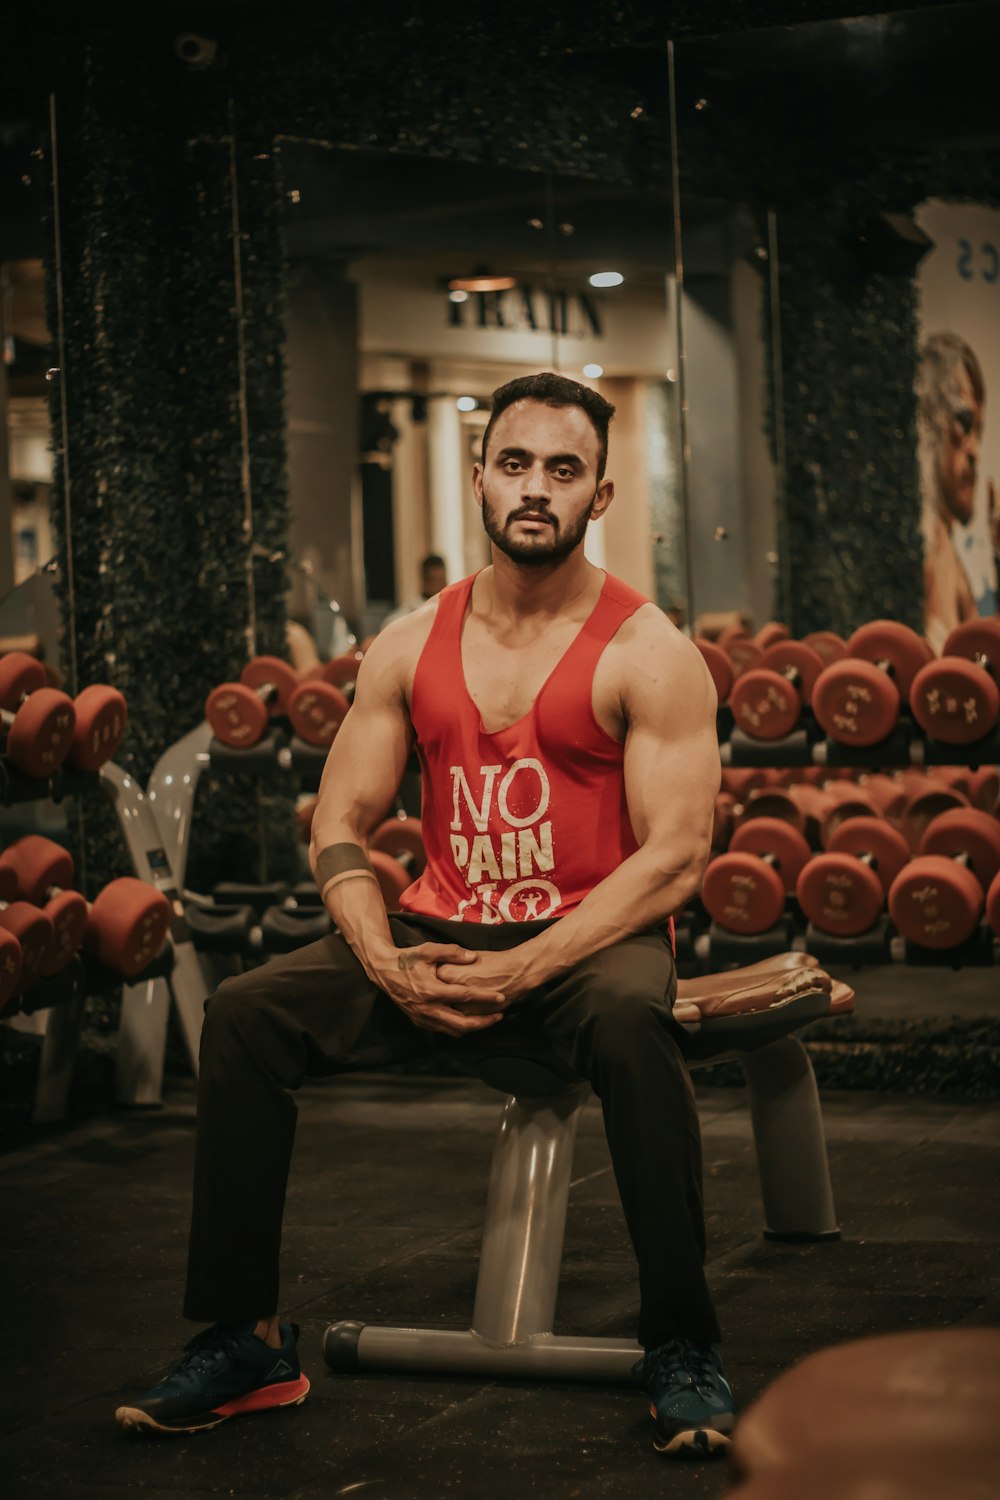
518	1271
142	1040
58	1059
791	1146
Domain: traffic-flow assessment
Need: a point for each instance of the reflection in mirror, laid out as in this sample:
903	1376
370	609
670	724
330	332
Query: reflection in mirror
416	288
860	155
28	616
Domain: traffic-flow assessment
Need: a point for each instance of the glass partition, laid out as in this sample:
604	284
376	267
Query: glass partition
840	222
416	288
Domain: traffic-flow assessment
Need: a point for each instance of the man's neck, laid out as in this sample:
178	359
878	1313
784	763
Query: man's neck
552	589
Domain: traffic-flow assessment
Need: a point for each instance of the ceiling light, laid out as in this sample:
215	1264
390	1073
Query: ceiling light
607	278
593	372
458	296
466	403
481	281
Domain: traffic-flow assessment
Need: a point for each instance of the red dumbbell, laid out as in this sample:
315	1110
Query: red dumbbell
101	722
719	666
771	633
745	890
742	650
342	671
316	710
938	899
305	807
403	839
11	962
239	712
392	878
828	646
957	699
39	720
767	700
124	928
843	891
993	906
928	801
722	821
857	701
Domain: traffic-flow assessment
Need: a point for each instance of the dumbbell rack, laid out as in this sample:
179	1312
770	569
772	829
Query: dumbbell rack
170	799
906	747
58	1003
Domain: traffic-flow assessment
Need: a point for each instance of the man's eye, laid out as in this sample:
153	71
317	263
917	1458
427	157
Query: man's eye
964	419
510	464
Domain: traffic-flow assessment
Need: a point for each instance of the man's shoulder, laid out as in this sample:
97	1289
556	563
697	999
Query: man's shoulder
397	647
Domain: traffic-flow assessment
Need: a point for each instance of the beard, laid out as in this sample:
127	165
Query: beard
539	549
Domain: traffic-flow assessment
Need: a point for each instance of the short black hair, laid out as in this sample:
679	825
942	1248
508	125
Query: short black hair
432	560
554	390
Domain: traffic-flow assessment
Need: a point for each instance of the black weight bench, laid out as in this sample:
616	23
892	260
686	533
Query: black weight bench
749	1015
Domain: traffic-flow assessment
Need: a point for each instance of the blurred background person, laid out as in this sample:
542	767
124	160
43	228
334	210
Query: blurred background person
433	577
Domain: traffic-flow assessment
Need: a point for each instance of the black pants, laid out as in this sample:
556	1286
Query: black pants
314	1012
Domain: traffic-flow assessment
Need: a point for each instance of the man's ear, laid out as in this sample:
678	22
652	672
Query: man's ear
477	482
605	495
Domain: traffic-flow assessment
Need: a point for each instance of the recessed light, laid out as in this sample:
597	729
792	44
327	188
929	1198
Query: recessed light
593	372
458	296
607	278
466	403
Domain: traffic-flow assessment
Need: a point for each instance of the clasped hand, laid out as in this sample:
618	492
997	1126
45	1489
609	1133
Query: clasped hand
449	989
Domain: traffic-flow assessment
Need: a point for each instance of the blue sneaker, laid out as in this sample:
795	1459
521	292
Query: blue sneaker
226	1370
691	1400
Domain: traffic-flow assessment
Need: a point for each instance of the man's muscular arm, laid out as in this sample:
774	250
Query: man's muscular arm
360	779
672	776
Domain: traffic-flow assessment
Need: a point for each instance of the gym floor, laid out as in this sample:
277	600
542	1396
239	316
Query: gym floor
383	1221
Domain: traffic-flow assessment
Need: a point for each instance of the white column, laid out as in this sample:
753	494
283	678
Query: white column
450	485
594	544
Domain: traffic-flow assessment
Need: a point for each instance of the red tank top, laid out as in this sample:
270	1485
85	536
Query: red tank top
521	824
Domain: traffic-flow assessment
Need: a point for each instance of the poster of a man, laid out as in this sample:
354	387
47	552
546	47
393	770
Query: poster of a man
951	401
959	431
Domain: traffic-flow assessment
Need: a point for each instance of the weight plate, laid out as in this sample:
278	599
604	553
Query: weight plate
342	669
780	840
993	906
924	808
719	666
771	633
843	810
742	893
316	711
36	864
965	831
878	838
840	895
955	701
273	674
398	836
795	656
40	737
977	638
68	915
772	802
828	646
10	966
101	721
743	652
392	878
855	703
236	715
764	705
888	641
128	925
936	902
19	674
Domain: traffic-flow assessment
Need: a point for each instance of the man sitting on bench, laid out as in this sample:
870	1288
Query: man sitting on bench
566	736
